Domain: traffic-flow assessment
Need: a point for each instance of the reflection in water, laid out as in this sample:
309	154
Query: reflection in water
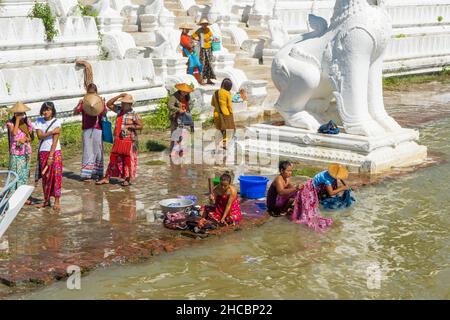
398	232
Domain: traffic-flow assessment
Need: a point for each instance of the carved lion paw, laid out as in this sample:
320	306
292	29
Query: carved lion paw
369	128
303	120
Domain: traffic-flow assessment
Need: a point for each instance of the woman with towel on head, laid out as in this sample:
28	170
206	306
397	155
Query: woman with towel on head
92	108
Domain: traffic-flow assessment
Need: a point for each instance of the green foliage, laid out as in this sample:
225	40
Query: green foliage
440	18
42	11
399	36
87	10
71	135
155	145
159	119
402	82
208	123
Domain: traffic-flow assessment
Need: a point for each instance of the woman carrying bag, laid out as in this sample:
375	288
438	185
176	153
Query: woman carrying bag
223	110
92	108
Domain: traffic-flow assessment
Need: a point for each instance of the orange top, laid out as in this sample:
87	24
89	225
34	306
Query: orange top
185	41
183	104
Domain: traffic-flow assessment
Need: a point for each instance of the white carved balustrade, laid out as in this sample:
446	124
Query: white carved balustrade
129	12
64	83
23	41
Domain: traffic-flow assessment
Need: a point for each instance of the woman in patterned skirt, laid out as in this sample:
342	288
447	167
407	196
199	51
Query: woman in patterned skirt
49	166
20	135
205	35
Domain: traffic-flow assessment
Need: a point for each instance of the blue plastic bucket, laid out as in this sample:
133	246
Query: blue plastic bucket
253	187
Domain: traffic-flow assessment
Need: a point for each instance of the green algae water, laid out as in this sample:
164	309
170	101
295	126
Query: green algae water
393	244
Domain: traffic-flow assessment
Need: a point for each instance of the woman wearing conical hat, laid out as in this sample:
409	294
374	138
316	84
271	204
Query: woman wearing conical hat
20	136
92	108
180	109
205	35
306	210
194	67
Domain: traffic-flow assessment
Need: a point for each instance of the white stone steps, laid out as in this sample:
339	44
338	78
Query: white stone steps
142	39
241	63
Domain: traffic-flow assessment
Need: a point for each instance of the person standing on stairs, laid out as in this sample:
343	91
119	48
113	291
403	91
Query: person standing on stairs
194	67
205	35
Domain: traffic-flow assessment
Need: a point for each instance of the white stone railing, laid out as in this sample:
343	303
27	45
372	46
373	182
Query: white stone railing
418	13
410	47
294	14
23	41
64	83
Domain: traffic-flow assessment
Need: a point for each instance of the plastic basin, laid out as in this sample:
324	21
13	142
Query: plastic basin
253	187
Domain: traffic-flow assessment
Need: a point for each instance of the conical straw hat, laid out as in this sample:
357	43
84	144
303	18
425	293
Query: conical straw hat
19	107
337	171
127	99
203	20
184	87
92	104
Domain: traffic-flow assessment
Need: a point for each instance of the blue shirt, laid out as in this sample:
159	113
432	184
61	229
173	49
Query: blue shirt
323	178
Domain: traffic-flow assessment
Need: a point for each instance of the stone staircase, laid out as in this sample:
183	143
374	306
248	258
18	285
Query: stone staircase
251	66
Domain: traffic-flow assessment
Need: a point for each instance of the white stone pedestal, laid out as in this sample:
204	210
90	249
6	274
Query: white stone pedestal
358	153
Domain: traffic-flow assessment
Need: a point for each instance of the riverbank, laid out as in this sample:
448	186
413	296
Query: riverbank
104	226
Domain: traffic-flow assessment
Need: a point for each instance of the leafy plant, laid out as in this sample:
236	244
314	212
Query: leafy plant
440	18
87	10
42	11
156	146
399	36
159	119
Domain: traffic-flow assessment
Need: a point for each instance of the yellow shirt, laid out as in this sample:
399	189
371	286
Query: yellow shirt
225	102
207	37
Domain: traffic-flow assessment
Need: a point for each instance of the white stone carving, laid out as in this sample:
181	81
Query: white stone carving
261	12
361	154
149	20
77	38
108	18
64	83
343	61
129	12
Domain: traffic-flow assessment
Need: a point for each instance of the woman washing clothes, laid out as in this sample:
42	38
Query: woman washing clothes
306	210
282	193
179	110
326	185
225	208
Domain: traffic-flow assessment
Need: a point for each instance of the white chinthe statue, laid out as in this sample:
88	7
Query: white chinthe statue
341	61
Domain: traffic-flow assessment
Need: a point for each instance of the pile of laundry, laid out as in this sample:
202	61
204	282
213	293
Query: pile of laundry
190	219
